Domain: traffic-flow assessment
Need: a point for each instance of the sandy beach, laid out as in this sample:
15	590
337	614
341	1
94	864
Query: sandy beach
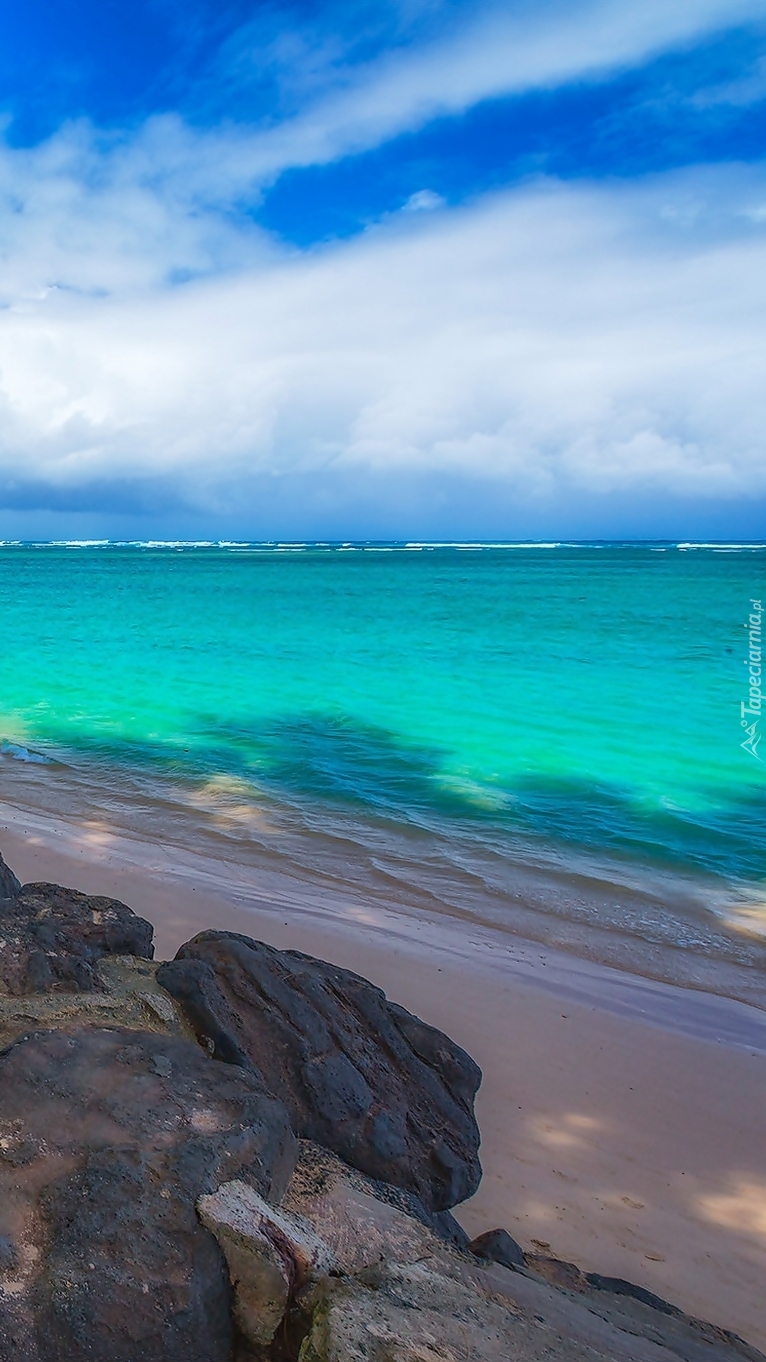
622	1119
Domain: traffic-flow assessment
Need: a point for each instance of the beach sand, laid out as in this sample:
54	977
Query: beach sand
622	1120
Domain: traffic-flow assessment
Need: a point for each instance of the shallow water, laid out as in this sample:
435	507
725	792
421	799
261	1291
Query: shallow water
547	739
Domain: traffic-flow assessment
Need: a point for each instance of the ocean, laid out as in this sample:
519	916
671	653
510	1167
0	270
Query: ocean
546	738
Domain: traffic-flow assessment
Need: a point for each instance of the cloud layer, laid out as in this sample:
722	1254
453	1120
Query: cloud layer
547	347
561	341
502	50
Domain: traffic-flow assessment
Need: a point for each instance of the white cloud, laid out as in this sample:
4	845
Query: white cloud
166	196
558	340
505	49
424	201
94	213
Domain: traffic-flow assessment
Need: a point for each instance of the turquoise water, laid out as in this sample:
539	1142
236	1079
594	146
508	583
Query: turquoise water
583	695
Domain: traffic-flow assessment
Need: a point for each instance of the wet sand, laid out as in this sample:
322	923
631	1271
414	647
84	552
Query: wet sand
622	1119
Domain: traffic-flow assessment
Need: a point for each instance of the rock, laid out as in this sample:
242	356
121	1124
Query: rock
361	1221
9	885
318	1171
270	1255
426	1312
129	996
585	1305
53	938
442	1310
557	1271
107	1139
160	1006
498	1247
358	1074
617	1286
404	1295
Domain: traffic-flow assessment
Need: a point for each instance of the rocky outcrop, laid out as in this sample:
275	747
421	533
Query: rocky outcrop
441	1309
426	1312
107	1139
412	1312
9	885
154	1203
357	1073
53	938
400	1294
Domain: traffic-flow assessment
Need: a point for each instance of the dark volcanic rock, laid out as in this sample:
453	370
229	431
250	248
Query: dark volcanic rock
107	1138
358	1074
9	885
53	938
617	1286
497	1246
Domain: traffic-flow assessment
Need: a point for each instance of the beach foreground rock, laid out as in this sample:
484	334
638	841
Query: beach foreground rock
357	1073
107	1139
401	1294
53	938
154	1203
442	1310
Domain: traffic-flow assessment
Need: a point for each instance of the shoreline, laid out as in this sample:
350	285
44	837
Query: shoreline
621	1118
632	917
685	1009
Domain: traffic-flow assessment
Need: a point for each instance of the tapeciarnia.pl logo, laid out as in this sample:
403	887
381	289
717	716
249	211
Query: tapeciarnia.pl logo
750	709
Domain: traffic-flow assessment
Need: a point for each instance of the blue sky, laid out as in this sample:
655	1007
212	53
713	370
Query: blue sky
383	270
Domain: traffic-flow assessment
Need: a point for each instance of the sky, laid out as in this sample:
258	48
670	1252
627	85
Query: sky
410	269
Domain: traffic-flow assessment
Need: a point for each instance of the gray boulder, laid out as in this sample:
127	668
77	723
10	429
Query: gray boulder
358	1074
107	1140
53	938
